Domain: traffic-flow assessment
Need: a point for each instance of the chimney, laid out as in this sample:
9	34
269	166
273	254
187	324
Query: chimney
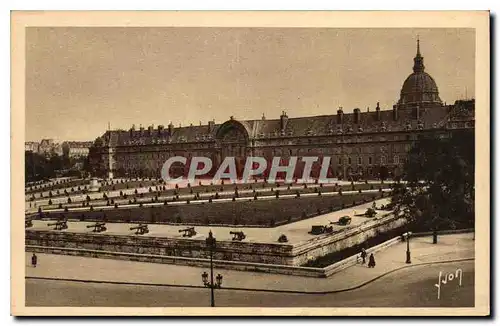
357	113
284	120
340	116
170	128
395	112
211	125
132	129
150	130
377	111
160	129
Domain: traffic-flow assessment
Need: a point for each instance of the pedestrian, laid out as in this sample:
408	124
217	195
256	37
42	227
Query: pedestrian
363	255
34	260
371	262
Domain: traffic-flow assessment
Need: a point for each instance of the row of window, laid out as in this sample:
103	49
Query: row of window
381	160
347	139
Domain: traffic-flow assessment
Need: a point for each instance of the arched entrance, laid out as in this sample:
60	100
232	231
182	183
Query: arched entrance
232	141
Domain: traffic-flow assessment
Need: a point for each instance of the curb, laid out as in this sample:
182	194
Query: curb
250	289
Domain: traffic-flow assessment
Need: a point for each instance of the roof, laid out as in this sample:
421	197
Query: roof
430	117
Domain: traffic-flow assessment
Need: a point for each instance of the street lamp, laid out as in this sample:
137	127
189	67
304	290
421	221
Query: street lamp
211	244
408	254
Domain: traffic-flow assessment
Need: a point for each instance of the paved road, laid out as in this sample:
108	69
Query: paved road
411	287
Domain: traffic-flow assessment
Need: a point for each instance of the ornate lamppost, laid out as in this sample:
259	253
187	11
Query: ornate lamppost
211	244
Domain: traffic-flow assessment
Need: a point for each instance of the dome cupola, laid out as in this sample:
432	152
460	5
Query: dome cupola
419	88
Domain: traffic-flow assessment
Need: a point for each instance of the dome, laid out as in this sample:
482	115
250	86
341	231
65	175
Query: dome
419	88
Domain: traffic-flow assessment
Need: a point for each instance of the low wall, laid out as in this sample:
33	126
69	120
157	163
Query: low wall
267	253
229	251
441	232
353	260
323	245
219	264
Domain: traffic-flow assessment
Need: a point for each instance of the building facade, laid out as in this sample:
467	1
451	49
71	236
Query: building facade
76	149
360	144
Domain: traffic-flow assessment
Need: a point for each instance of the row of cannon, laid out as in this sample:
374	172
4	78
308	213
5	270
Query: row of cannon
139	229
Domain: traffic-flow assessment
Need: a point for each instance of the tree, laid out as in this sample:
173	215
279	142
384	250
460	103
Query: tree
383	173
439	188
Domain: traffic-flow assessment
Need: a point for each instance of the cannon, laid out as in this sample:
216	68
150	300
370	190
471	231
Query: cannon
344	220
59	225
188	232
238	235
140	229
98	227
28	223
320	229
317	229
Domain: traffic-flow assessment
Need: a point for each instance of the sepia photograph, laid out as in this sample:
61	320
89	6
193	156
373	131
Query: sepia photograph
325	163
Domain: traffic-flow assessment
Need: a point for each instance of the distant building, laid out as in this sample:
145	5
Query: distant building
31	146
361	144
49	147
46	146
76	149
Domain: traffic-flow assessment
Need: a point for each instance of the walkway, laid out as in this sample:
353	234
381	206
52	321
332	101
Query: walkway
449	247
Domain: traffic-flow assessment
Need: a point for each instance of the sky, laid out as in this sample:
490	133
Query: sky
79	79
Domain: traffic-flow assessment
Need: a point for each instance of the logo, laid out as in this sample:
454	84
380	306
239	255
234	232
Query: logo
253	166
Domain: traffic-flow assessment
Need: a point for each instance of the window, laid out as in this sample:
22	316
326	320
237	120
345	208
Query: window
349	160
359	160
370	160
396	159
340	160
382	160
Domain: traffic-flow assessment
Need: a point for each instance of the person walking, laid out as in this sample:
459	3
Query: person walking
34	260
371	262
363	256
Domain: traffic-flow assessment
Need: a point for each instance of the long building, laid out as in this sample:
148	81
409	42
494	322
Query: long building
361	144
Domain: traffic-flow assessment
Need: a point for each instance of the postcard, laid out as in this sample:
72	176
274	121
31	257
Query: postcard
250	163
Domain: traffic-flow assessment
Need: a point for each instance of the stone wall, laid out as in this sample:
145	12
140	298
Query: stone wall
226	250
265	253
326	244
